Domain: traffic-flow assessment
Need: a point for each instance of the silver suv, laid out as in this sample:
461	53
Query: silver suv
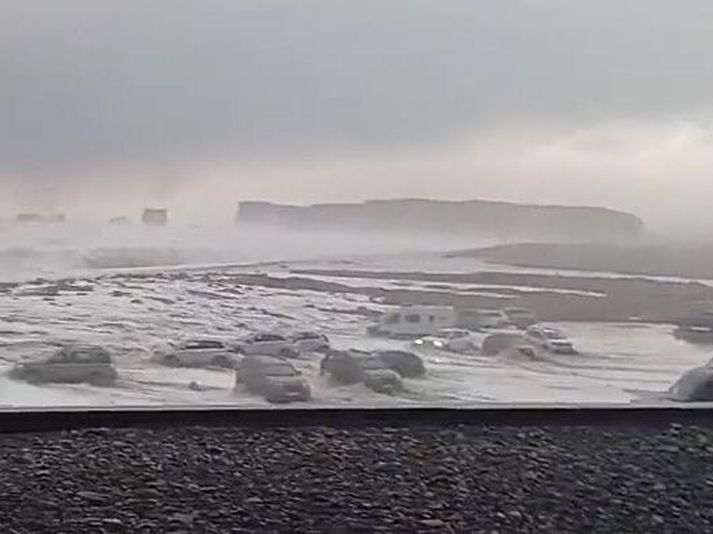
71	364
352	367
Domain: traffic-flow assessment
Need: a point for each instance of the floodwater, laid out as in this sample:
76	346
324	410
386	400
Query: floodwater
133	310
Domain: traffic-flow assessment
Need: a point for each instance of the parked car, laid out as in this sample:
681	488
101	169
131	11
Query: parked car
197	353
309	342
352	367
451	339
520	317
273	378
71	364
407	364
268	344
551	339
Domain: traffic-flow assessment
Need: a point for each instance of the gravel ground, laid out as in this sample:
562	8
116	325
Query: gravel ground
410	479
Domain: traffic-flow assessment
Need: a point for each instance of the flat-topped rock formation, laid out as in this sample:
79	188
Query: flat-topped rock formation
478	218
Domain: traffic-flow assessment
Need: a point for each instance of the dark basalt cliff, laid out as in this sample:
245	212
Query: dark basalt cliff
468	218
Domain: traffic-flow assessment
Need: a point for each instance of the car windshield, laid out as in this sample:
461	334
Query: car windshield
554	334
456	334
98	357
279	370
307	336
268	337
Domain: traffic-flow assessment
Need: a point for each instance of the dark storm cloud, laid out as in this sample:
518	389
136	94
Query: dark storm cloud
129	84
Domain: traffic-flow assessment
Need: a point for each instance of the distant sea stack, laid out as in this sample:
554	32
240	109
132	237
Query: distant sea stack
481	218
155	217
55	218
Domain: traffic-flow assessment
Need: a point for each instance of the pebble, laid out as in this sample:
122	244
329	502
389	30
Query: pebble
313	479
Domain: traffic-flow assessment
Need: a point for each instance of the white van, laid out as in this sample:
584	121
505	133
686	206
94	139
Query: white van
409	321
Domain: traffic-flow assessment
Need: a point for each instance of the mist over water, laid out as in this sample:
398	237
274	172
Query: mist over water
54	250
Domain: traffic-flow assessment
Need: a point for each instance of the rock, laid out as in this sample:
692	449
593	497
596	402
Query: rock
113	524
181	520
306	479
92	497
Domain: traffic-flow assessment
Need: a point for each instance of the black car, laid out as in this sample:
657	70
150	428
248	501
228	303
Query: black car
70	364
273	378
352	367
405	363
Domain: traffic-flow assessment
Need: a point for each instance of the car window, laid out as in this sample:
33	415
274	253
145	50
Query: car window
554	334
59	357
393	318
204	344
412	318
307	336
269	337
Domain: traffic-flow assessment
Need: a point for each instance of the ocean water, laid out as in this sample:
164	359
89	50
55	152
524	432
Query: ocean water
131	289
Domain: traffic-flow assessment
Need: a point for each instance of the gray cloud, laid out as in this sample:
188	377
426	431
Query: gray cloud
146	90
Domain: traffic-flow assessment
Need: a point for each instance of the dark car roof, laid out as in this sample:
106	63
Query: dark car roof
267	360
86	352
307	334
203	344
267	336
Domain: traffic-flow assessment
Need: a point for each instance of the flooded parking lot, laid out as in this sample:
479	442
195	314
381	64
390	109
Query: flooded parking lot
133	313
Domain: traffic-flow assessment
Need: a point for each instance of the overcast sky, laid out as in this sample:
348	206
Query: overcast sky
198	104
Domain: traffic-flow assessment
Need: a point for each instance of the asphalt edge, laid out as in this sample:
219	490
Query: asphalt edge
50	419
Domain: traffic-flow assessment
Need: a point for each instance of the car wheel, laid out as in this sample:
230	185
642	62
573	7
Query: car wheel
171	360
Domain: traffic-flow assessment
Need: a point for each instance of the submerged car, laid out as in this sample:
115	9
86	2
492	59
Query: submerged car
71	364
309	342
273	378
198	353
352	367
268	344
551	339
451	339
694	385
407	364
